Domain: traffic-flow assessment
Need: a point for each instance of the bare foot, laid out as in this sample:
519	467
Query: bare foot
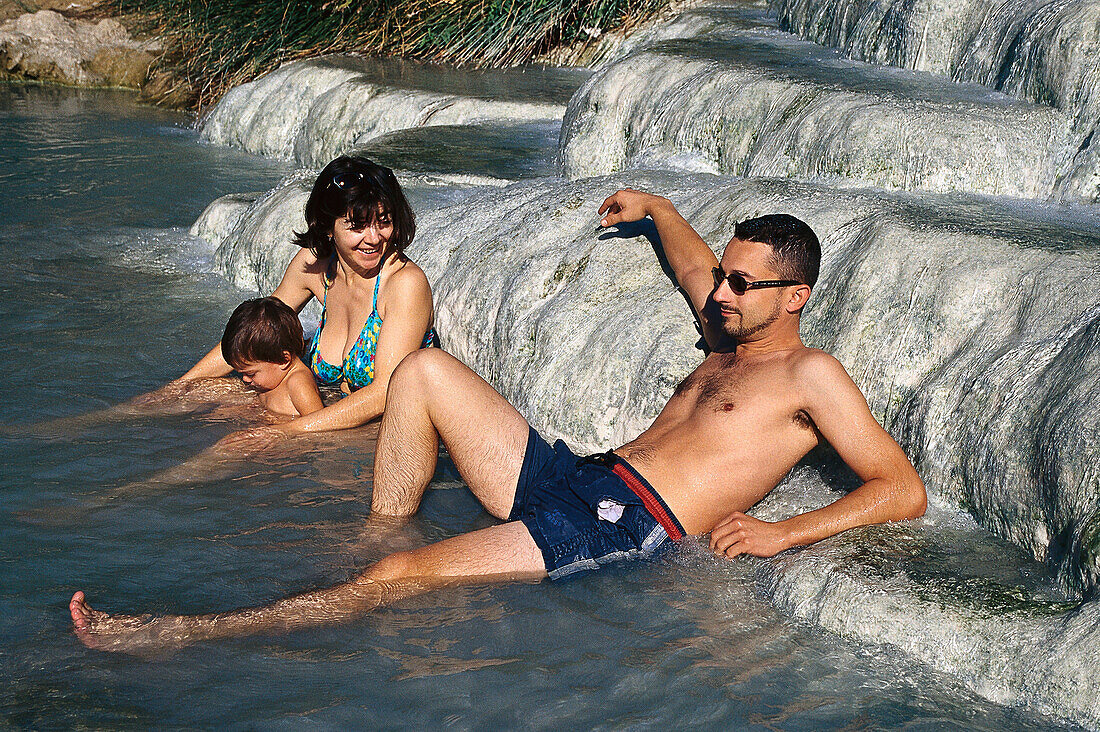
97	629
80	611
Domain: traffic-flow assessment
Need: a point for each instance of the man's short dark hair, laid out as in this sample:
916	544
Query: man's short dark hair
796	252
262	330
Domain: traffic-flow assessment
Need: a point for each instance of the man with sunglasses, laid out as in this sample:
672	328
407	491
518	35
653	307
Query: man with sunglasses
761	399
731	431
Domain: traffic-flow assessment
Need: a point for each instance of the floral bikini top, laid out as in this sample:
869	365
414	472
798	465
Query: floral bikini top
358	366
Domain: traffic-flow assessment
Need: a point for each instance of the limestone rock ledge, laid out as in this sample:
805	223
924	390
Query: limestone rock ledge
47	46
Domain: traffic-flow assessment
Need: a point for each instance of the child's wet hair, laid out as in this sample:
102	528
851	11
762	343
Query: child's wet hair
262	330
361	190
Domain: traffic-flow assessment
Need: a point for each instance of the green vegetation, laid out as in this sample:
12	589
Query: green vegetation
216	45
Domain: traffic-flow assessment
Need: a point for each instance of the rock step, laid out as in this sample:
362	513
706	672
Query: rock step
310	111
733	94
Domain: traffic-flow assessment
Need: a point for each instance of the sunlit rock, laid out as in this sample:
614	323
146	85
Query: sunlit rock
311	111
1043	51
729	94
46	46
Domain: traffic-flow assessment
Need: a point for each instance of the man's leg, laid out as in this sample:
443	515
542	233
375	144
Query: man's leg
433	396
496	554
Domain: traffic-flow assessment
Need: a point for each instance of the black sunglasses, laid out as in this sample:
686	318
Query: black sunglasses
344	181
740	285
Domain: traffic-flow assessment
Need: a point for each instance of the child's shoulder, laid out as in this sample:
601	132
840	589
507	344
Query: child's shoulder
302	389
300	375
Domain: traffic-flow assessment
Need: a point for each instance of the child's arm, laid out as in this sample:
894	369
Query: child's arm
303	393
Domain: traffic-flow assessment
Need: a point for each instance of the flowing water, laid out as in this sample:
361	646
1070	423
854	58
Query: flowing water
108	296
972	323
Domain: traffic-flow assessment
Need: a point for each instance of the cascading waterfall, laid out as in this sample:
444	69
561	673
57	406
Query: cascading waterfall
1044	51
310	111
971	322
735	96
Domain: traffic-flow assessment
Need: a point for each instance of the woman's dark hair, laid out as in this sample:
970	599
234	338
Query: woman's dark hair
262	330
357	188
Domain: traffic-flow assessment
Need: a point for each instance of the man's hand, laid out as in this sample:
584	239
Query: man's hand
739	534
629	205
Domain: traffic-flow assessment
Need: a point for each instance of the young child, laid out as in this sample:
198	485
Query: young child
263	342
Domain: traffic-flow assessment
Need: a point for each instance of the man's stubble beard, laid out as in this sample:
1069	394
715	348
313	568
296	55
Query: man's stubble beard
740	332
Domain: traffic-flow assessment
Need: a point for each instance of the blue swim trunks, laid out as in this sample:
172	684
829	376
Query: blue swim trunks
584	512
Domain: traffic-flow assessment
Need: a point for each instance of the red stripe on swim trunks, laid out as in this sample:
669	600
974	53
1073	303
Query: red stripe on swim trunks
649	501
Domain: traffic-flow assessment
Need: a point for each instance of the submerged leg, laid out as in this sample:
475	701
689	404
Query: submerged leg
496	554
178	397
434	396
225	458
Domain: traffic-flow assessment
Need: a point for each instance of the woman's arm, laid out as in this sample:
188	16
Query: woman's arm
406	317
212	364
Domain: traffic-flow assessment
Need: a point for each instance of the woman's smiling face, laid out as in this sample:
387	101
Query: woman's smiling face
364	244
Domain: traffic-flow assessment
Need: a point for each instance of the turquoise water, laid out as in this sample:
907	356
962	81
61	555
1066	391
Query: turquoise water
107	297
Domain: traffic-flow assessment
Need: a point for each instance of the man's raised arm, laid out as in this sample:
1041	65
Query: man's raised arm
891	491
692	261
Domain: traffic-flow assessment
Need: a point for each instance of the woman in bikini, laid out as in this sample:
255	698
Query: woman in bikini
376	303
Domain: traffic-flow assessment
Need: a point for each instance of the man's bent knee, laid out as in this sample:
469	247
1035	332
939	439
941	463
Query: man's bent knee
423	367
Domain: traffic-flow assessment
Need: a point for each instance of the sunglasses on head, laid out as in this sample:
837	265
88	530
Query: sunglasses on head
344	181
740	285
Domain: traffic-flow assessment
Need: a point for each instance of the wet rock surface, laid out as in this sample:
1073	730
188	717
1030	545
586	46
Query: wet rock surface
48	46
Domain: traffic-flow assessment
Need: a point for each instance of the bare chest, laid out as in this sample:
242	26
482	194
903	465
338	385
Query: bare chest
726	385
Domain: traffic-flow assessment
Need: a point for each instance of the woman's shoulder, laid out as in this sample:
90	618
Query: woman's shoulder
408	285
303	279
409	279
307	264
